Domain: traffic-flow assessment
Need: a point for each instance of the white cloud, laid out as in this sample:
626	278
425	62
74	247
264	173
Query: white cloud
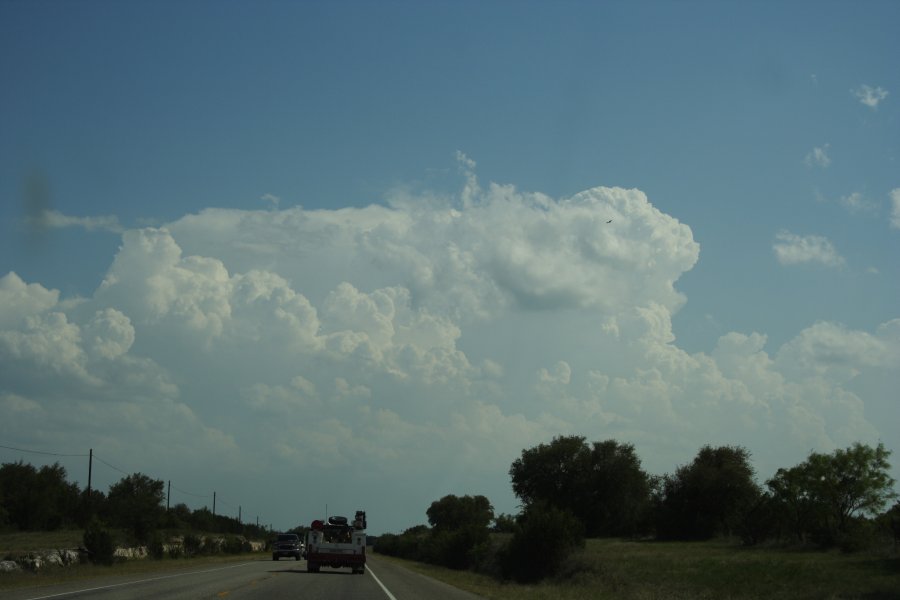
793	249
271	199
895	208
856	203
53	219
832	352
415	349
870	96
19	300
818	157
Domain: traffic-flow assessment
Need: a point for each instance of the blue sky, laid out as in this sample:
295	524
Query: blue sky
418	194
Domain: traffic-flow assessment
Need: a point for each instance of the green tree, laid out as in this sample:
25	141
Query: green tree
602	484
135	503
455	512
37	499
557	473
504	523
619	490
709	497
460	531
824	494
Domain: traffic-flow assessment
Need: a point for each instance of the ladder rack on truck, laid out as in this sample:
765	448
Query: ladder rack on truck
337	543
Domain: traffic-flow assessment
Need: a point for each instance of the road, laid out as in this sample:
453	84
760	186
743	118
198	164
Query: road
256	579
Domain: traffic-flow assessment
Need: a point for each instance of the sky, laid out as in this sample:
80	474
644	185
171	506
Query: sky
347	256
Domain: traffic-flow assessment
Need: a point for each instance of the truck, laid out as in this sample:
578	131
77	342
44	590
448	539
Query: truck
337	543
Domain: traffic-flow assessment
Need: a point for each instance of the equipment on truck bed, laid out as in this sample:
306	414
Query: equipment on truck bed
336	543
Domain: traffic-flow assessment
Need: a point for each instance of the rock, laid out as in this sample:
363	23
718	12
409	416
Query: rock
9	566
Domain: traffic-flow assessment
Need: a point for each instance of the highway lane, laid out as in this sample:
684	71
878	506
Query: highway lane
255	580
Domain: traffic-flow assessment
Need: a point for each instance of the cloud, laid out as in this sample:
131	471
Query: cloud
818	157
53	219
20	300
835	353
271	199
895	208
496	249
870	96
412	350
856	203
793	249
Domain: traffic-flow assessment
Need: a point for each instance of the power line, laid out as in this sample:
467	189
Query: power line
190	494
109	465
41	452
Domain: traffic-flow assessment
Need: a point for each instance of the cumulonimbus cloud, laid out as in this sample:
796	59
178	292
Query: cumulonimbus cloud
423	338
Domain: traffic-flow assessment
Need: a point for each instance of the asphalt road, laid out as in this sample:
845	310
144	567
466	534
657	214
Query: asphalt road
257	579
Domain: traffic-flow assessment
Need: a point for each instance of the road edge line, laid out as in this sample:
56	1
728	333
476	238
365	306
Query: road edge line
381	585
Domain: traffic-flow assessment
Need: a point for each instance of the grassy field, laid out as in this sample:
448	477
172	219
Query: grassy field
650	570
21	542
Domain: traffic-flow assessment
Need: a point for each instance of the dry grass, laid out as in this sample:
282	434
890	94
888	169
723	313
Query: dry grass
650	571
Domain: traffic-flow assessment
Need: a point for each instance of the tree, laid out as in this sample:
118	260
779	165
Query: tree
603	484
135	503
454	512
556	473
620	490
504	523
823	494
708	497
459	530
37	499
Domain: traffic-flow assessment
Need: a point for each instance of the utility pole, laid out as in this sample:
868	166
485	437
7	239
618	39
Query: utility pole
239	513
168	495
90	469
214	504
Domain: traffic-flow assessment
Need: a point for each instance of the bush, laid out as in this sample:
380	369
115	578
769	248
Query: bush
544	540
192	545
411	544
99	544
235	545
859	535
155	548
176	551
457	549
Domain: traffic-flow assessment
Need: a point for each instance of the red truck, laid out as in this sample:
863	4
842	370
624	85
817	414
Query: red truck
336	543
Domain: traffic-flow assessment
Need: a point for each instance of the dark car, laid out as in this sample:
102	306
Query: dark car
287	544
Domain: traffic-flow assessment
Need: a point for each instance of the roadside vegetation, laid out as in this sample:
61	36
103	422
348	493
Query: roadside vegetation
47	523
595	524
649	570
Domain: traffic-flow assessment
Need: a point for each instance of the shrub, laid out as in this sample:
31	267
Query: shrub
155	548
544	540
235	545
456	549
192	545
99	544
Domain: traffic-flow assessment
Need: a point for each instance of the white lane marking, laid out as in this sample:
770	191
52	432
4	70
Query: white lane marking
161	577
378	581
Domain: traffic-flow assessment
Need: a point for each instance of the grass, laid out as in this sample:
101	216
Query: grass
20	542
699	570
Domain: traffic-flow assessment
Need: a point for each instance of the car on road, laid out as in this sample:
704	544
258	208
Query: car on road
287	544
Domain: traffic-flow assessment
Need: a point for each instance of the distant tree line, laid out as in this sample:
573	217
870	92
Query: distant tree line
33	499
571	489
